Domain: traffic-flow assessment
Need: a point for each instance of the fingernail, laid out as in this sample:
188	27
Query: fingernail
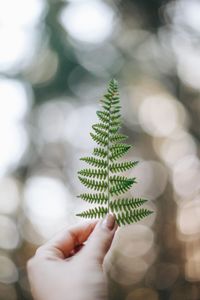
109	222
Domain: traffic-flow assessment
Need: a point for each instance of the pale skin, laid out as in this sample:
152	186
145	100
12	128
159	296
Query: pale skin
70	266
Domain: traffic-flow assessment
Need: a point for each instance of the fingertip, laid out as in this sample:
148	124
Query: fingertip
109	222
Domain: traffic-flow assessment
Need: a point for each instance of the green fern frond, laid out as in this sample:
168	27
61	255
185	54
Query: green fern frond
117	147
102	176
108	97
117	151
114	117
100	126
99	139
103	117
121	187
115	111
96	173
116	138
95	162
125	218
100	152
93	184
106	107
106	103
115	102
121	167
93	213
99	198
115	123
126	204
114	129
120	179
101	132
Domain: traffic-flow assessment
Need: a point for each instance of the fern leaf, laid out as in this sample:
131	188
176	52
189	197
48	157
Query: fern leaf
93	213
102	177
115	99
116	147
121	167
101	126
93	184
95	162
96	173
108	97
100	152
114	117
106	101
126	204
115	123
99	139
114	129
117	107
121	187
101	132
117	151
106	107
114	102
103	116
120	179
99	198
117	138
115	111
124	218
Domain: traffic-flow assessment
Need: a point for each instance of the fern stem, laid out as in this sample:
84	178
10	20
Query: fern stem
108	160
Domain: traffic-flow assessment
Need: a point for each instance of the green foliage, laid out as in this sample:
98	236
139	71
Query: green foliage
121	167
125	204
102	177
99	198
133	216
97	212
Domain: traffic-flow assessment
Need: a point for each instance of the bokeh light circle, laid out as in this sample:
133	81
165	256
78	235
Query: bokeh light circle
89	21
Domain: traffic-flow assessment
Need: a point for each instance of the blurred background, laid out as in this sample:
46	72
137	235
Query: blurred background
56	58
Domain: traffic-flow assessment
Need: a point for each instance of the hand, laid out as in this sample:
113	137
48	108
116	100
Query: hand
66	269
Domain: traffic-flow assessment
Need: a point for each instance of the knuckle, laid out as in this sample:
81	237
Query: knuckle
39	251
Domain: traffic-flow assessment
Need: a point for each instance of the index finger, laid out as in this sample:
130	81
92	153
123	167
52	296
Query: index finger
61	245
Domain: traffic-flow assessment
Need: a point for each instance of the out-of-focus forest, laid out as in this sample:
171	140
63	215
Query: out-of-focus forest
56	58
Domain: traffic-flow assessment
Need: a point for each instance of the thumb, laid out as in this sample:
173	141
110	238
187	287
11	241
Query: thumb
101	238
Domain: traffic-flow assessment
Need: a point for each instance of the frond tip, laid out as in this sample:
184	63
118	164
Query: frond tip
102	174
